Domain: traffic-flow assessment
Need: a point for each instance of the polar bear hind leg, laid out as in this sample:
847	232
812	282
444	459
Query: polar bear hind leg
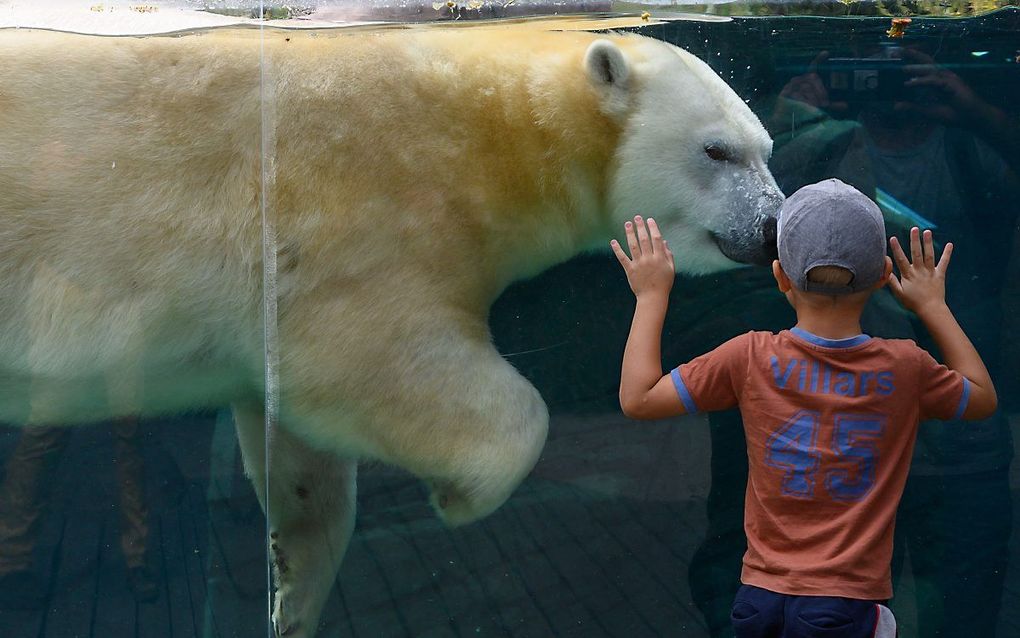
311	509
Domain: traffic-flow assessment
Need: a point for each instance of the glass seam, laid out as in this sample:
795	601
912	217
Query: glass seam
269	303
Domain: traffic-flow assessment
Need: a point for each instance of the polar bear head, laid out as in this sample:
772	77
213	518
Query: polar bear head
693	155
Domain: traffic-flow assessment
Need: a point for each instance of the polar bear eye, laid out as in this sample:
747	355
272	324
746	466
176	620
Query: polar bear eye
716	153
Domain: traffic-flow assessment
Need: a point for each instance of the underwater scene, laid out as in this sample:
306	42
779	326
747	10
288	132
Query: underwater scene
310	325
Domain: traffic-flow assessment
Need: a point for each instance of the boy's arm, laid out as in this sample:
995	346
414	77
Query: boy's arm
645	393
922	289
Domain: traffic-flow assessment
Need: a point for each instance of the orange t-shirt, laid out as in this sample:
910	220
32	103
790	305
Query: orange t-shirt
830	428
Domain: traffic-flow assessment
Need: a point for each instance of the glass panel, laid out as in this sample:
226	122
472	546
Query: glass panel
389	244
399	231
132	279
940	151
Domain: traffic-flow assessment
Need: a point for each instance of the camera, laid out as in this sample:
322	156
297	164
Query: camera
855	80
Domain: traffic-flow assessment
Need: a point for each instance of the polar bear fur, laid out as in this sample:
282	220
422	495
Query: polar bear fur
410	176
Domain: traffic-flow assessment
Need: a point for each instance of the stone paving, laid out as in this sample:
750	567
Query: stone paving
597	542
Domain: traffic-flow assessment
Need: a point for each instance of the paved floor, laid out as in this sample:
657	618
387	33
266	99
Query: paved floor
597	542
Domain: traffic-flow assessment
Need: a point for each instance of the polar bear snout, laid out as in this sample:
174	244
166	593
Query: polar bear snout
751	242
768	226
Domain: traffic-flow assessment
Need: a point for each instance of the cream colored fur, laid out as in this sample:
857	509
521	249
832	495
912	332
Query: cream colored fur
410	176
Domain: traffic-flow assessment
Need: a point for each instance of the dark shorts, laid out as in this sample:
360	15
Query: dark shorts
760	613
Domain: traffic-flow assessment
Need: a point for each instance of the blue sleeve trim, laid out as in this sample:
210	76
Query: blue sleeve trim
681	389
960	409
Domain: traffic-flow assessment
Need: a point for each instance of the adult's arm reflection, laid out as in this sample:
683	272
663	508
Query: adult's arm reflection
803	100
954	103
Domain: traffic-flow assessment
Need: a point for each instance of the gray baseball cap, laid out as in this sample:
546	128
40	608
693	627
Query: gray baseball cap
831	224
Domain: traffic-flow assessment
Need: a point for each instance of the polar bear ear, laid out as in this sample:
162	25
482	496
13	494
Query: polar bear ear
608	70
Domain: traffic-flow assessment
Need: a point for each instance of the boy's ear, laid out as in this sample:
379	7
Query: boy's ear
781	279
886	273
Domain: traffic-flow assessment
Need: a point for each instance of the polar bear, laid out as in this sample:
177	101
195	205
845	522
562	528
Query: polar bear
409	177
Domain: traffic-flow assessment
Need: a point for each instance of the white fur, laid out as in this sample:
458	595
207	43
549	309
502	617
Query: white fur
609	73
411	177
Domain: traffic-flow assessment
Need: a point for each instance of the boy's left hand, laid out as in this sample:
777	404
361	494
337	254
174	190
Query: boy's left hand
650	268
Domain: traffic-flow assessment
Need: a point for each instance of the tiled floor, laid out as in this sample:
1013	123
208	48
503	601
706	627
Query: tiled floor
597	542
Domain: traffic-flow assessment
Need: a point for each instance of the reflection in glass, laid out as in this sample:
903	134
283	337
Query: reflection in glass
146	519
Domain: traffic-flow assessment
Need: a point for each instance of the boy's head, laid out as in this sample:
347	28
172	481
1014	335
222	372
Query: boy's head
831	240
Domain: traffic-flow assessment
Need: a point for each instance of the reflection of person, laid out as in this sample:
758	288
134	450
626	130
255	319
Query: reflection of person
830	414
24	494
741	300
945	156
27	476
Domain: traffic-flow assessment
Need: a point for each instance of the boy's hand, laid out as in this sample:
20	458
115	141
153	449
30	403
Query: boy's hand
650	269
922	288
922	284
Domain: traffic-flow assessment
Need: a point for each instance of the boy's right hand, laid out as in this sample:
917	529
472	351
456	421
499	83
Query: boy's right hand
922	282
650	268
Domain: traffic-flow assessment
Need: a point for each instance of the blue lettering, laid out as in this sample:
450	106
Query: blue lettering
782	377
846	384
865	377
855	441
815	377
885	383
791	449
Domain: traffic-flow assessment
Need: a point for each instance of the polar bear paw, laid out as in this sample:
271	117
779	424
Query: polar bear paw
282	625
457	506
450	504
287	617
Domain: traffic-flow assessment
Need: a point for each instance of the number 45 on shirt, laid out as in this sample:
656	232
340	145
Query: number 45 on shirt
794	449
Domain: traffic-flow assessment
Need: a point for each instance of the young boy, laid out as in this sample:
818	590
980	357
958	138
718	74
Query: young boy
830	414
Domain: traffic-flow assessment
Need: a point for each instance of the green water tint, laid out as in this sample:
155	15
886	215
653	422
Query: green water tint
624	529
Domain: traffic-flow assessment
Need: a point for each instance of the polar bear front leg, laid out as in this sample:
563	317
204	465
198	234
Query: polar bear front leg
311	510
460	418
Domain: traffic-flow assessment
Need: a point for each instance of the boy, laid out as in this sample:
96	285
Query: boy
830	414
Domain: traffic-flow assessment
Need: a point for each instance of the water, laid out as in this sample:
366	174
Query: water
622	528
